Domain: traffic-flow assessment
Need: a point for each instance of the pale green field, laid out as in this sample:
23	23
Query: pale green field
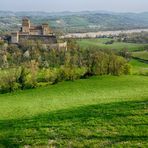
141	55
100	43
139	67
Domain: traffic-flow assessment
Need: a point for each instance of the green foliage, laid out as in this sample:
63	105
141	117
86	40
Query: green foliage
71	73
8	82
18	78
30	81
52	66
22	77
127	69
46	75
118	66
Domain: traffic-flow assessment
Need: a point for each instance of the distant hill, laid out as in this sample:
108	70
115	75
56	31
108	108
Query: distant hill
77	21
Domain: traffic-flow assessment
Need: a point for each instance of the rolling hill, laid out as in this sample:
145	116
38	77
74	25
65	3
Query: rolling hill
77	21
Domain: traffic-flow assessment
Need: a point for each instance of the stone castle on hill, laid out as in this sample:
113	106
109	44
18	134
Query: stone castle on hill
29	29
39	32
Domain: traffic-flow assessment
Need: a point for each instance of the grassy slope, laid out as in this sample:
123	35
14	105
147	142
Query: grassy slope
103	110
140	62
138	67
116	45
141	55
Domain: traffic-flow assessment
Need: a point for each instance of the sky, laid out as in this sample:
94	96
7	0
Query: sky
75	5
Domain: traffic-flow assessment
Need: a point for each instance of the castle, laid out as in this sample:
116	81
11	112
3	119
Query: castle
39	32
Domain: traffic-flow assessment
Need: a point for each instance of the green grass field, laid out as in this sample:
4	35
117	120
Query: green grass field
105	111
138	67
100	43
141	55
139	64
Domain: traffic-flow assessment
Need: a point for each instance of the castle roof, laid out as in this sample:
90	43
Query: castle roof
35	27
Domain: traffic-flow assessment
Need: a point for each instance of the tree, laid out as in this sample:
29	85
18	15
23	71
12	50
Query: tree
22	77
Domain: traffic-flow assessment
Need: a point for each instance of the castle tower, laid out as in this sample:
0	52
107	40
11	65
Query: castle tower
45	29
25	25
14	37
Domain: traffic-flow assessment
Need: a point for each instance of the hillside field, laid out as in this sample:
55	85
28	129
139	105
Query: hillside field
101	111
141	55
138	67
100	43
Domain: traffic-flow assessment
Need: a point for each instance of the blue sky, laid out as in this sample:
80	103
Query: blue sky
74	5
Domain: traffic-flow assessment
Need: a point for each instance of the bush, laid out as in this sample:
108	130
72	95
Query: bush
22	77
30	82
127	69
71	73
9	83
50	76
118	66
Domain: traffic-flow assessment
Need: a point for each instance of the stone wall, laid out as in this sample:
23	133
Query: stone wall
44	39
15	37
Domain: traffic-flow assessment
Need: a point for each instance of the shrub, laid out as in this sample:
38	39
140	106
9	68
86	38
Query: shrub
9	83
30	82
22	77
49	75
127	69
71	73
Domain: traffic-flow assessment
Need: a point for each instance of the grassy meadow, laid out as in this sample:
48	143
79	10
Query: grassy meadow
141	55
100	43
100	111
139	62
139	67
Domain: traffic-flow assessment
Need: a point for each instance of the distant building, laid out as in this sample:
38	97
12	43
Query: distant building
39	32
28	29
30	32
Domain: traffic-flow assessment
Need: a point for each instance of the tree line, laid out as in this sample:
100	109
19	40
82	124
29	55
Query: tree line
32	64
